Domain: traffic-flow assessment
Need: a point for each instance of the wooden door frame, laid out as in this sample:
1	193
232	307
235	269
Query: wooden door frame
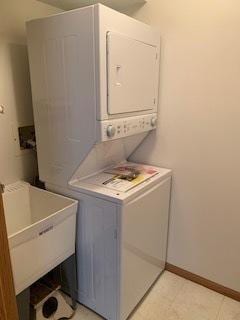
8	305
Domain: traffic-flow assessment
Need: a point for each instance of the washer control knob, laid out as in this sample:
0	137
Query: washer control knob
153	122
111	130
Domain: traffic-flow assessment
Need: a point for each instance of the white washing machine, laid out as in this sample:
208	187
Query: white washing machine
121	239
95	75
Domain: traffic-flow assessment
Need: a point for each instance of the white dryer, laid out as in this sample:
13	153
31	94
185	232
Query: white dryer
94	75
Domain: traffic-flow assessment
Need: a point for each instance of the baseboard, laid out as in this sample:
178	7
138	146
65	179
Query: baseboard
204	282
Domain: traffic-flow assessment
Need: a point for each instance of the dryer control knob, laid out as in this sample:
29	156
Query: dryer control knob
111	130
153	122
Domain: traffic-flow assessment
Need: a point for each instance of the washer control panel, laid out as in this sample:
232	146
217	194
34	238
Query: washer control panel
124	127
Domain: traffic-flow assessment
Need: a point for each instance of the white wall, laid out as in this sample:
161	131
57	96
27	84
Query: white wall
15	92
199	132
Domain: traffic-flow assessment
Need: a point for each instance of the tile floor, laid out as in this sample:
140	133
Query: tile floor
174	298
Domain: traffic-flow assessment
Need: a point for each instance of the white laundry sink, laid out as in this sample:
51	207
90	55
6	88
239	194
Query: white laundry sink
41	230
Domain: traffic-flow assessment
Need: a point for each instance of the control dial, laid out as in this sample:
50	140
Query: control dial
111	130
153	122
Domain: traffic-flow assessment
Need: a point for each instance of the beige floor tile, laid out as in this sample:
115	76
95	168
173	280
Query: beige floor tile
195	302
168	285
94	316
156	304
174	298
83	313
136	316
154	308
230	310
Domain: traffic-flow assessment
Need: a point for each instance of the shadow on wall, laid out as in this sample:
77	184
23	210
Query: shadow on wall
21	84
133	9
16	97
149	145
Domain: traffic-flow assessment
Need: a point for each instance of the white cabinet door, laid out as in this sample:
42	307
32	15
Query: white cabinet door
132	75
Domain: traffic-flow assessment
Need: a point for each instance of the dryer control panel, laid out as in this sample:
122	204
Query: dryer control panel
124	127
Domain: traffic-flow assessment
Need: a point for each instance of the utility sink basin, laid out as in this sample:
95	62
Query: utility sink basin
41	230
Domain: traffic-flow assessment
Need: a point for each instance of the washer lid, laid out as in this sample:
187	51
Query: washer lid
124	176
105	184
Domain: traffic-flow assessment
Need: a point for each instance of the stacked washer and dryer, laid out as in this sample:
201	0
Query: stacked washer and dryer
95	77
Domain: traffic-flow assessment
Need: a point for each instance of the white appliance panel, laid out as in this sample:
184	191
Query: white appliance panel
132	69
144	241
96	246
125	127
107	154
121	247
61	49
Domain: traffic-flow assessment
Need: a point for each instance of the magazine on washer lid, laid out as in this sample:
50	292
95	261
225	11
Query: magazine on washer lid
127	176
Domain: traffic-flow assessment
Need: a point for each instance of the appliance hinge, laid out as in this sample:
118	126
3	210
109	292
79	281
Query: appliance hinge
115	234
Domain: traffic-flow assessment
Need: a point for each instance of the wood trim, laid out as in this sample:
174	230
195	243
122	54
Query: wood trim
8	306
203	281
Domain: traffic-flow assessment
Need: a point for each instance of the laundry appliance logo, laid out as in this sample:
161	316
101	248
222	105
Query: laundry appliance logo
45	230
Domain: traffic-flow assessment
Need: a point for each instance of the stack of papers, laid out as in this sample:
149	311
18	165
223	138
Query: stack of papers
127	176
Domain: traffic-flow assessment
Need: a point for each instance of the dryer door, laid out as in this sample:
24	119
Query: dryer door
132	75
